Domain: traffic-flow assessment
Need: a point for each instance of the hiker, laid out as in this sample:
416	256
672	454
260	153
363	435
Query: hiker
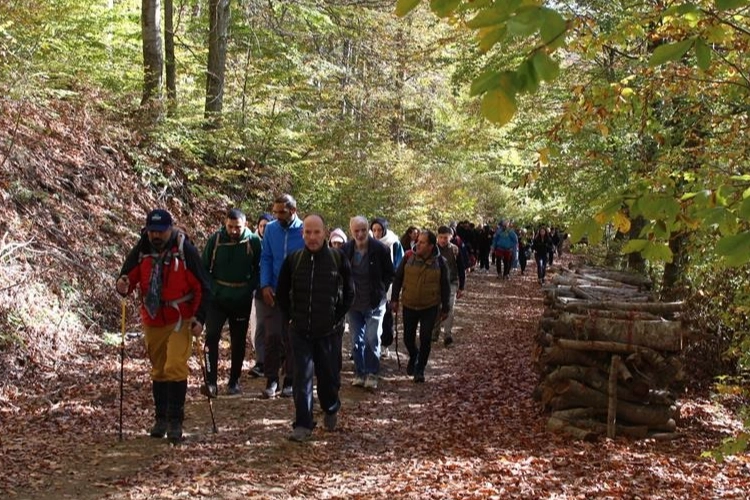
259	345
380	231
409	238
524	249
337	238
282	237
503	244
485	246
541	245
456	278
167	270
315	289
232	258
555	240
372	272
422	284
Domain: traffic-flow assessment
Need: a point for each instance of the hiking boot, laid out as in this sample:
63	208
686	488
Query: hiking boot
448	341
159	430
419	377
287	391
209	390
271	390
176	411
371	382
358	381
233	388
329	421
300	434
410	365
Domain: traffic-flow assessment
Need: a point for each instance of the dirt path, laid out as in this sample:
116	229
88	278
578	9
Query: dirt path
471	431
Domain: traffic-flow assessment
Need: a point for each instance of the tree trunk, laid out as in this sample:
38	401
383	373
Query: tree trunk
153	61
636	262
169	59
660	308
217	55
673	271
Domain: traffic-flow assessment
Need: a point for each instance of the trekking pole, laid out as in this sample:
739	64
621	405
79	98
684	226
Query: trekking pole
395	335
202	360
122	360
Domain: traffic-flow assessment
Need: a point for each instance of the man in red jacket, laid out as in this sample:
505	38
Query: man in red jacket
166	268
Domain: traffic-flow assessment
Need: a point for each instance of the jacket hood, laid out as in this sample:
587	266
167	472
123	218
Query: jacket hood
337	234
389	238
265	216
379	220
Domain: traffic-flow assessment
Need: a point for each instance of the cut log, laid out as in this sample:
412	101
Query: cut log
652	307
561	426
612	402
579	413
582	308
661	335
573	394
633	431
558	355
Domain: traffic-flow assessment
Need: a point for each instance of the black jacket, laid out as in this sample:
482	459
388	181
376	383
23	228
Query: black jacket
380	265
315	291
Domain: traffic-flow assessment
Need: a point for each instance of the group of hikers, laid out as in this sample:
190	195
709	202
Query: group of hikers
305	283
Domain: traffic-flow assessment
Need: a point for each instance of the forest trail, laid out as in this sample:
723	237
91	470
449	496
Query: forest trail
472	431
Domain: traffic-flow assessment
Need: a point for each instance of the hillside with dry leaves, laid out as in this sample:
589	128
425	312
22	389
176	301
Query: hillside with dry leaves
472	431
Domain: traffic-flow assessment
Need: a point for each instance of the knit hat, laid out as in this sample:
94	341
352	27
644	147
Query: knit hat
338	235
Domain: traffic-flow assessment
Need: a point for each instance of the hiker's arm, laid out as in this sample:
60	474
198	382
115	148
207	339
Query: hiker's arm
347	288
445	289
284	288
398	280
129	273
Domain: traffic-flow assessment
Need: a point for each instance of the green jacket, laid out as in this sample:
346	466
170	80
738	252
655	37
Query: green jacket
234	267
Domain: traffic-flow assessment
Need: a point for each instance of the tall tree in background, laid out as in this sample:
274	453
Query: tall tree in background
169	57
153	60
217	56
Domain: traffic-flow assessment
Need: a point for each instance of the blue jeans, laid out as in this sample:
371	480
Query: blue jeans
365	327
320	356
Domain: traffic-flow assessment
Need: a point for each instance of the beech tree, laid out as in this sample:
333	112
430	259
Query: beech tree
153	59
219	15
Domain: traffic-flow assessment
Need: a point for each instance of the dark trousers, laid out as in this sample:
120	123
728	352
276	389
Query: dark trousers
321	356
484	259
216	316
278	349
425	319
522	260
504	257
541	264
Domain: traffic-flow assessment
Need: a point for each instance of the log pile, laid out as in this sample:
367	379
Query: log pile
608	356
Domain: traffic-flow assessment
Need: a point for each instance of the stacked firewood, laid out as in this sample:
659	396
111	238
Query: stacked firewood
608	356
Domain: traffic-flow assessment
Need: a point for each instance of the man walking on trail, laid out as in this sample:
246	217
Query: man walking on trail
315	289
372	270
504	243
258	341
422	284
167	270
232	258
457	279
283	236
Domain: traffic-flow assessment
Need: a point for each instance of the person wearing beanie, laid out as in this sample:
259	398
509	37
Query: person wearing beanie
337	238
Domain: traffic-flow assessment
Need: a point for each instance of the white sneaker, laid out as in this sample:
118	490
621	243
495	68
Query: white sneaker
358	381
371	382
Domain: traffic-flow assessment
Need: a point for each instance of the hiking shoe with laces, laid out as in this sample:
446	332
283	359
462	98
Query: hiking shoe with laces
300	434
233	388
371	382
329	421
256	371
448	341
271	390
358	381
209	390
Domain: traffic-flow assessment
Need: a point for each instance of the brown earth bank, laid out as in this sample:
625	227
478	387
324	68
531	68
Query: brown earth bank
471	431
